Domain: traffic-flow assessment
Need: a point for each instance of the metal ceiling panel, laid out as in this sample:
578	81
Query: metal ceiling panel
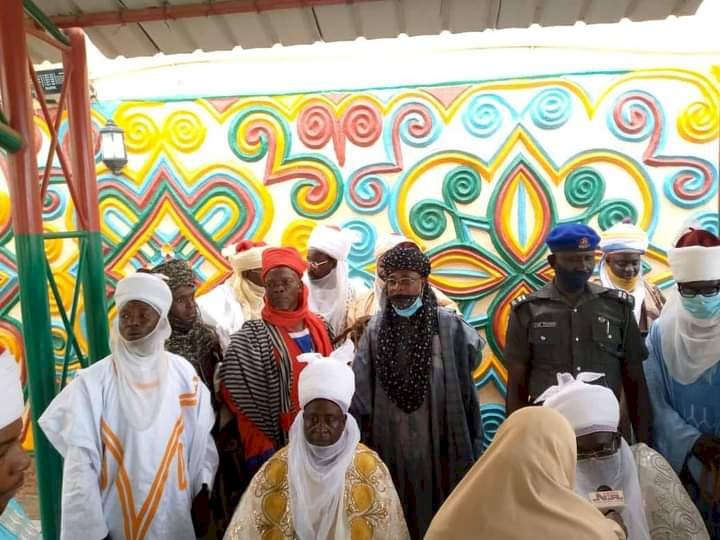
338	23
335	22
423	17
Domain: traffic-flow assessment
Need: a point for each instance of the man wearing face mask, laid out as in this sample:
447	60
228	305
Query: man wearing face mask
415	397
571	325
683	373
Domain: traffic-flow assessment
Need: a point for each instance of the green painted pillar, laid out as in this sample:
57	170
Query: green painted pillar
30	257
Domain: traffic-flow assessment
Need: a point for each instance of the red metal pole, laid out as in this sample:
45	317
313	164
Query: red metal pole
29	253
84	179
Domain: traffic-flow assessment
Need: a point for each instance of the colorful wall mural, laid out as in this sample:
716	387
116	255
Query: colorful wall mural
475	172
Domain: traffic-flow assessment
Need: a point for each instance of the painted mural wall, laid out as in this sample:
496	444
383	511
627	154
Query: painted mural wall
476	172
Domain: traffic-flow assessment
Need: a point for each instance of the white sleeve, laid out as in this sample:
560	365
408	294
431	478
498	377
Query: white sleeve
203	454
82	511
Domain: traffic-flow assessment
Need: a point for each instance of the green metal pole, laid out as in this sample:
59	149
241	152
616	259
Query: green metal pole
30	257
39	16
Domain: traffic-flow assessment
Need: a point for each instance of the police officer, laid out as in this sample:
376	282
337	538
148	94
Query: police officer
571	325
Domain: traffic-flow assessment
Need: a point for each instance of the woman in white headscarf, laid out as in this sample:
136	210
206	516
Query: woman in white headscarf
324	485
623	245
134	431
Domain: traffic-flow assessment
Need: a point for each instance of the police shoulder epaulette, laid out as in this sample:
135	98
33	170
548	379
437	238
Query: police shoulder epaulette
519	300
621	295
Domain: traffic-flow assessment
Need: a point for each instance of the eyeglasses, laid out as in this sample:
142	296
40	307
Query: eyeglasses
605	451
315	265
402	282
707	292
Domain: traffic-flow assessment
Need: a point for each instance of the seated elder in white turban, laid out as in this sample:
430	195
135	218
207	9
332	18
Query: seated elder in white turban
324	484
135	426
623	245
656	504
13	459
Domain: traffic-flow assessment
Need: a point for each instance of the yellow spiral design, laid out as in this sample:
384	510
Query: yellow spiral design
297	234
700	122
184	131
53	248
141	132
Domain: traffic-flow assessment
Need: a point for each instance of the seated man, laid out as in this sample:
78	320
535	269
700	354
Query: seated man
134	431
324	484
656	504
13	459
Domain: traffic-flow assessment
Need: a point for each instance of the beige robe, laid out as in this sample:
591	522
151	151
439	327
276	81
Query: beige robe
372	507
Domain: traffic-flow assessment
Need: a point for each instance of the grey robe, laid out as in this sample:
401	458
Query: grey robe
429	450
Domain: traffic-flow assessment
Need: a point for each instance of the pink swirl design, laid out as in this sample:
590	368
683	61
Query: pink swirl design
362	123
316	125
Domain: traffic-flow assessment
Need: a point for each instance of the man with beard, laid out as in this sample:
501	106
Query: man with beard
415	398
572	326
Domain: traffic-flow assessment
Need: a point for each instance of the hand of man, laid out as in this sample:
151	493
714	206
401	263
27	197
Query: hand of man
201	515
707	450
617	518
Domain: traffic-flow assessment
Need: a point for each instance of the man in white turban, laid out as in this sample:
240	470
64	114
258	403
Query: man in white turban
13	459
656	505
623	245
324	484
683	371
134	431
238	299
332	293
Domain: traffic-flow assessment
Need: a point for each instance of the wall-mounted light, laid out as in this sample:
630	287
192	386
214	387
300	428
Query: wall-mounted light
112	147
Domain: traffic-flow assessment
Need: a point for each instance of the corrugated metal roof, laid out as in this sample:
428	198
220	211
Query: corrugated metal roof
264	23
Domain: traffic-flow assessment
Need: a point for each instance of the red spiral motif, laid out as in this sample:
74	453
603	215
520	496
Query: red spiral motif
362	123
316	125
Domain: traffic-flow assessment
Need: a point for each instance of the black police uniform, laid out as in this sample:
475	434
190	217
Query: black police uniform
597	334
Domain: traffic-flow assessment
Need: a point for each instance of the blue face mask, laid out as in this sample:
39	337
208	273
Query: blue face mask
411	309
702	307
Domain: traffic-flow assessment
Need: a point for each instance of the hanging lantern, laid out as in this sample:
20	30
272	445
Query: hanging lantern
112	147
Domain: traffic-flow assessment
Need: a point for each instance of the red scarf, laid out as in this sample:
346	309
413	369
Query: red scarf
284	321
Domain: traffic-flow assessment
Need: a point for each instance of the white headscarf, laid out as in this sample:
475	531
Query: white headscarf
624	238
316	474
330	296
12	400
249	296
588	407
690	346
142	365
591	408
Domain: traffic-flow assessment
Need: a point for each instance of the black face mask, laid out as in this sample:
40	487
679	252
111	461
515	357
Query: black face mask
571	281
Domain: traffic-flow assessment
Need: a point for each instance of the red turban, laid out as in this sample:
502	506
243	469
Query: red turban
275	257
698	237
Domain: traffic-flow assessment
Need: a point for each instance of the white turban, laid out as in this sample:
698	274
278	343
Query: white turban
624	237
148	288
588	407
141	365
329	378
333	241
10	386
247	259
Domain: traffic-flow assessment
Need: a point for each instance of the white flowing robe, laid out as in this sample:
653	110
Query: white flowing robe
135	485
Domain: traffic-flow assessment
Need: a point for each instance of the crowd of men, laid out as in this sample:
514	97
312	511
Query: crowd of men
291	403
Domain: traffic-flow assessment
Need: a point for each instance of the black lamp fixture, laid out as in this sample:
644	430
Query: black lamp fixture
112	147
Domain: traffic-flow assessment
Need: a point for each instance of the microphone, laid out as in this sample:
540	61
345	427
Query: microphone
606	499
